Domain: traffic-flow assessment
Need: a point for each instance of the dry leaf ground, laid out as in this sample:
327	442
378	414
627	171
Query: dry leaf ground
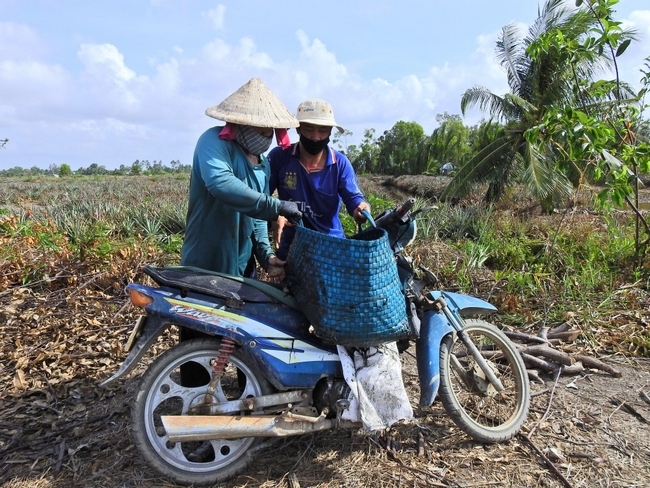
59	429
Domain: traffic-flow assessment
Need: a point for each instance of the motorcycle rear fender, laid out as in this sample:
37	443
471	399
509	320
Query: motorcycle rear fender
289	358
433	329
150	331
156	321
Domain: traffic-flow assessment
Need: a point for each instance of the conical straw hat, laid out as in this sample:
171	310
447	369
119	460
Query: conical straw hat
255	105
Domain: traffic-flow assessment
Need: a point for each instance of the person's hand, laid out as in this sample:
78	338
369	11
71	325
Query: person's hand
290	210
277	230
357	215
275	269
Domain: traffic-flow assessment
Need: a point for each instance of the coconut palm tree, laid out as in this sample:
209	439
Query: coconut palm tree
549	79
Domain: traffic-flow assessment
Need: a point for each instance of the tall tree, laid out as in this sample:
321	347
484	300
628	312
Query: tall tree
65	170
340	140
605	139
535	84
402	150
364	157
449	142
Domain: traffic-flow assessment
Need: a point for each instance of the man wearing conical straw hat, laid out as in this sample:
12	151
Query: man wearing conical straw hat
229	203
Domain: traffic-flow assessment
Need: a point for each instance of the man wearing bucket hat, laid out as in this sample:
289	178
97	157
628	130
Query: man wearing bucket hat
229	201
312	172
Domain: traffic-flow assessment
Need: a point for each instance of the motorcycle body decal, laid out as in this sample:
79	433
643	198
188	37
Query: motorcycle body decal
233	322
293	363
296	352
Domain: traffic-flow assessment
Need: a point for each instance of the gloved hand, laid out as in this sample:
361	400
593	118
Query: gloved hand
290	211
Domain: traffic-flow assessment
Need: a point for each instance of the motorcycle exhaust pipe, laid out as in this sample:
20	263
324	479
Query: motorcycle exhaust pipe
189	428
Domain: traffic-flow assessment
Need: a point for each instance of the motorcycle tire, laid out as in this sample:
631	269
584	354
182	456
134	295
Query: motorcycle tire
160	393
482	412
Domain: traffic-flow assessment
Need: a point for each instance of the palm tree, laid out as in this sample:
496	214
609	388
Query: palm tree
549	79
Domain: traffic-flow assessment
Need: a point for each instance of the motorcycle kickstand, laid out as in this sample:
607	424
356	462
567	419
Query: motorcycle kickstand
342	404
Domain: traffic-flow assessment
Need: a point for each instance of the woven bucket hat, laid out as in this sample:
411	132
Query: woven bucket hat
255	105
317	112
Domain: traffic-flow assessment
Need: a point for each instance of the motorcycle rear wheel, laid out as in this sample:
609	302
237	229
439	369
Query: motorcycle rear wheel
160	393
481	411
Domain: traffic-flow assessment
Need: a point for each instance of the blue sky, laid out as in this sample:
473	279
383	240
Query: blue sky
85	82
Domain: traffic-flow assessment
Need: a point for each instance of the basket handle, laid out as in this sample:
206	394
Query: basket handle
367	215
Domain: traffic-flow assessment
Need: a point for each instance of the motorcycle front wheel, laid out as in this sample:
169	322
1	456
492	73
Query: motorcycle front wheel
476	406
161	393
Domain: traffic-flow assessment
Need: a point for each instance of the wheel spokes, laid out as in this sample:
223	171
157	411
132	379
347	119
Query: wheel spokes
478	398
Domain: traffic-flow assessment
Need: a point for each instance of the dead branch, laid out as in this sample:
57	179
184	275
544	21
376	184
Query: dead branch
420	444
543	333
537	363
549	353
590	362
59	460
293	482
563	327
538	393
575	368
644	396
520	336
533	375
568	336
623	405
548	462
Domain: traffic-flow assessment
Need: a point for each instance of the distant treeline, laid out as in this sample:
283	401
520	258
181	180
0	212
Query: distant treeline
405	149
137	168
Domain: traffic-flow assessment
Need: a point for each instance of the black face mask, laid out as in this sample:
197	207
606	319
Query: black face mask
313	147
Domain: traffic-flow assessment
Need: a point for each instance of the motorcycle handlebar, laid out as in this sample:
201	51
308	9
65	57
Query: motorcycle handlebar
405	207
398	215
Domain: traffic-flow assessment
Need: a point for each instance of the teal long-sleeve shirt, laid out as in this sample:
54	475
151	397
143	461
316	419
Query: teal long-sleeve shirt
228	209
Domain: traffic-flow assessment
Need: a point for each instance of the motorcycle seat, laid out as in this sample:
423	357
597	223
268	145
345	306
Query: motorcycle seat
220	285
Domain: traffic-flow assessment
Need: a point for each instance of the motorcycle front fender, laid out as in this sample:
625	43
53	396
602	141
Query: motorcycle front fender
467	305
433	328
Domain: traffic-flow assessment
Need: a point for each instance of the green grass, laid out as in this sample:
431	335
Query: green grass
535	268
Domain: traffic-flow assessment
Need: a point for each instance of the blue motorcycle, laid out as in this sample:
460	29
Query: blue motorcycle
259	372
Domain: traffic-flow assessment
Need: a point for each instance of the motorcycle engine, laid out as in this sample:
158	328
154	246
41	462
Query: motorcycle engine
327	392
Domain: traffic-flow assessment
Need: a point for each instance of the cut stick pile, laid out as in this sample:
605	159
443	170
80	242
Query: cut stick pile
547	352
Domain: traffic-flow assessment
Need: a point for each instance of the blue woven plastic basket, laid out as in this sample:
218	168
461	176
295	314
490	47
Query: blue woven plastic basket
348	288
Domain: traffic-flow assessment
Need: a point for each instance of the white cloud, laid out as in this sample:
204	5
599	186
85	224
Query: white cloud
639	19
248	55
105	60
632	61
168	77
216	51
109	107
20	42
31	83
219	54
318	69
216	16
31	88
